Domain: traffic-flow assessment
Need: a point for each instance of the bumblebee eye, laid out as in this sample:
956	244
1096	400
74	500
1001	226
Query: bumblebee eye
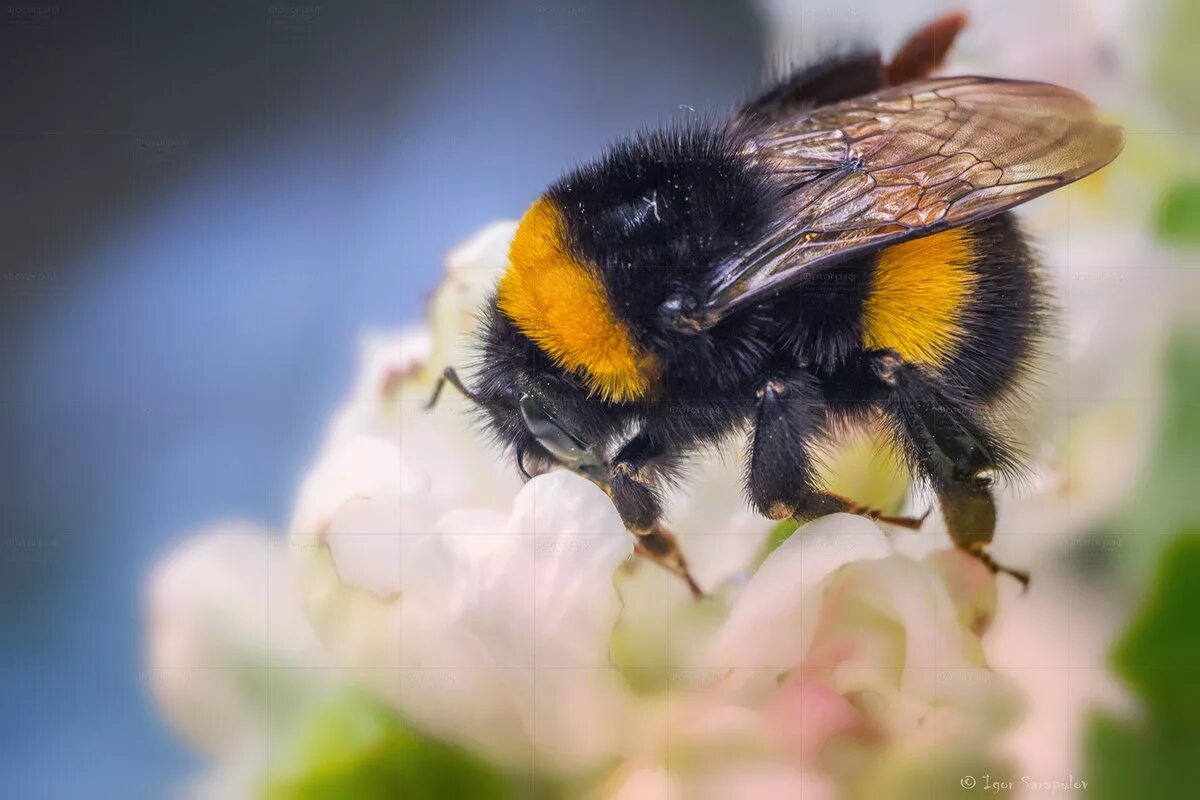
549	434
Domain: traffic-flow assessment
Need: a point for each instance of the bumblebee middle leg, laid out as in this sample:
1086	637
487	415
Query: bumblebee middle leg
781	470
948	444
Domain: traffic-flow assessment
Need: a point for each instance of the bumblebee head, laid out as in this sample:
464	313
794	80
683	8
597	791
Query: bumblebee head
544	417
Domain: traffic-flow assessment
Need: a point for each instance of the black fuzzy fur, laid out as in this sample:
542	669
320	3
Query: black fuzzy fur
781	466
840	76
1005	317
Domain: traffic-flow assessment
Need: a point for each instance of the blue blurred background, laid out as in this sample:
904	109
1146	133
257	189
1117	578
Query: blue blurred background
204	206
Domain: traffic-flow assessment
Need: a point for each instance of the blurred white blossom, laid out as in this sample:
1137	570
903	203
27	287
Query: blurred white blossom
514	621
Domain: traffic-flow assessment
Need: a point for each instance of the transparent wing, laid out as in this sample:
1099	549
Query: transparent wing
908	161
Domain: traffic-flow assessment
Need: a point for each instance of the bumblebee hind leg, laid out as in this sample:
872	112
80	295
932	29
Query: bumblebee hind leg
926	49
857	72
950	446
828	81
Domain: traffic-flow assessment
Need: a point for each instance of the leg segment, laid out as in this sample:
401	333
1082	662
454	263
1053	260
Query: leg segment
858	72
781	474
450	376
926	49
949	445
632	485
653	456
827	81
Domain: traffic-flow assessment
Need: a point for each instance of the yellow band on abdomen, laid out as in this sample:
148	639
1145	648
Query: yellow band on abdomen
920	292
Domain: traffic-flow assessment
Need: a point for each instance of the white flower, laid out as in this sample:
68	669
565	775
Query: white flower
839	661
221	614
515	622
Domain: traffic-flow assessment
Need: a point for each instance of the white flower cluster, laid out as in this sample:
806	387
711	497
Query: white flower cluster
482	608
514	620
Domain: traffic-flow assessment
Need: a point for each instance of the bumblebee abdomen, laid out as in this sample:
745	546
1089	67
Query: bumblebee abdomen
964	303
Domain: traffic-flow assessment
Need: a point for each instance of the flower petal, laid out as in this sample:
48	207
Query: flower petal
774	618
221	618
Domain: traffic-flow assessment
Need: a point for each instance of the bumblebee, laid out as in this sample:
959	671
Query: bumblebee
837	252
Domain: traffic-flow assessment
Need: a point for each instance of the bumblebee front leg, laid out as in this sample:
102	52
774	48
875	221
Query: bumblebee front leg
949	445
633	489
781	477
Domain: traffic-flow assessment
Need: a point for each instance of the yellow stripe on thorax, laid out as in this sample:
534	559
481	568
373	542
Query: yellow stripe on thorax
920	292
561	305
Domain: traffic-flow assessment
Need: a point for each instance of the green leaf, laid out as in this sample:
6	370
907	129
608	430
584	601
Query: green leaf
1157	756
1127	759
349	747
1177	219
1159	656
1176	61
1165	500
